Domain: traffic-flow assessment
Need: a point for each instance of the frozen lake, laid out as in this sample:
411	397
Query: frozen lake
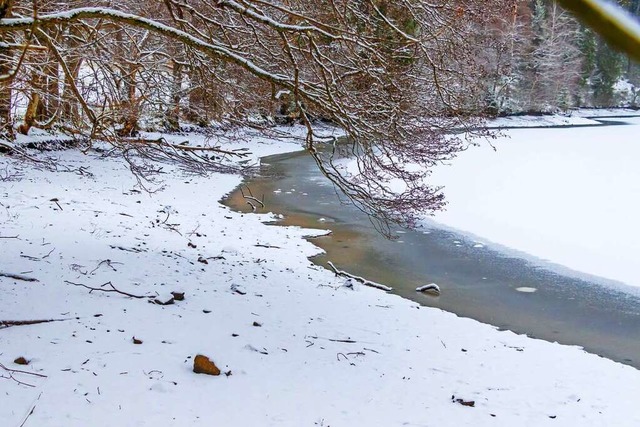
500	196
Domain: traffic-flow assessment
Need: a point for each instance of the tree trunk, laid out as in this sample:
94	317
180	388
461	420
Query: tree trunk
69	108
129	104
131	111
5	95
196	111
172	117
30	115
5	85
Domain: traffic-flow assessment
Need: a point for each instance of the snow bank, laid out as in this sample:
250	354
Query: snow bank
578	117
569	196
552	120
323	353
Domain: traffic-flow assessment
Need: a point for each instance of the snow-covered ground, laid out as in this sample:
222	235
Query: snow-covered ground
570	196
300	348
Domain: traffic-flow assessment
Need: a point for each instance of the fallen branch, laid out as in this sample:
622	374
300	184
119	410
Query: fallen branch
33	407
6	175
11	372
34	258
250	199
347	340
109	264
18	277
6	147
431	289
122	248
56	201
359	279
110	289
11	149
10	323
184	147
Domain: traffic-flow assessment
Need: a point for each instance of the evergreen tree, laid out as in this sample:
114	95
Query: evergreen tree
607	72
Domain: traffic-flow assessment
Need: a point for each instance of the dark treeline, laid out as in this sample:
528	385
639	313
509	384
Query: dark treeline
543	60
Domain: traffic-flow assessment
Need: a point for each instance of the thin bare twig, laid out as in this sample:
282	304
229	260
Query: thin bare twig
11	376
109	264
31	411
110	289
347	341
33	258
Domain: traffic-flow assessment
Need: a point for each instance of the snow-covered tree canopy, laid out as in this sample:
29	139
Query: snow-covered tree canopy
405	79
396	76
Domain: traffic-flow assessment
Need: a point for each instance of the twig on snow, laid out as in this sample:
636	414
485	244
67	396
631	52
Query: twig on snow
56	201
11	376
345	358
31	411
18	276
6	175
34	258
109	264
122	248
359	279
347	340
110	289
11	148
9	323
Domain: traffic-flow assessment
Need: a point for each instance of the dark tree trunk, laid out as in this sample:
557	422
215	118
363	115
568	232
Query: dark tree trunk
196	111
5	86
172	117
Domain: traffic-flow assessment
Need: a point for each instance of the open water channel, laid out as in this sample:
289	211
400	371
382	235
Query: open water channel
480	284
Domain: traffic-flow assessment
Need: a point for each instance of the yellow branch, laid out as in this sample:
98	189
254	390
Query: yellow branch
616	26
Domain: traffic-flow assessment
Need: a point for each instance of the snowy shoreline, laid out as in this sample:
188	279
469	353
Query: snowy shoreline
323	354
573	118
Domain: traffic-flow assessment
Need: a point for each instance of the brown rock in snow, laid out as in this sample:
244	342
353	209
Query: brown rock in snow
21	361
178	296
202	365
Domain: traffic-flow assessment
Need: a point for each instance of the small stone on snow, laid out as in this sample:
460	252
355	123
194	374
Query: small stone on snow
203	365
21	361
